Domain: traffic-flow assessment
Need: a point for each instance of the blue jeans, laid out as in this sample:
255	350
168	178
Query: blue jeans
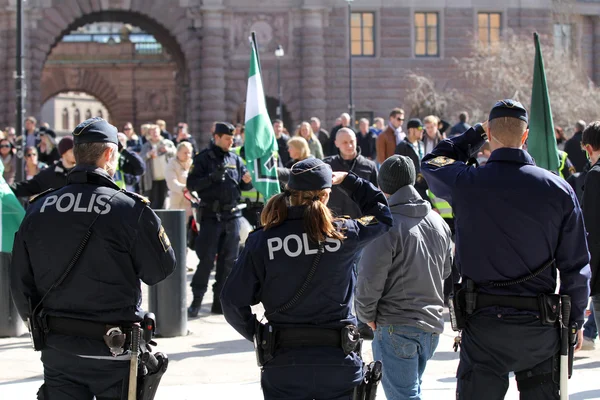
590	329
404	352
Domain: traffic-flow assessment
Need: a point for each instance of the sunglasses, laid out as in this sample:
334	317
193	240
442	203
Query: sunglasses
126	129
31	155
400	119
5	146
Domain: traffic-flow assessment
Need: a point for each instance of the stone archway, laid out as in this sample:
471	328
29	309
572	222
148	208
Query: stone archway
173	29
87	81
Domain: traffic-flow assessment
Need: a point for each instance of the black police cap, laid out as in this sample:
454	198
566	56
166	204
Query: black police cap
310	174
96	130
509	108
224	128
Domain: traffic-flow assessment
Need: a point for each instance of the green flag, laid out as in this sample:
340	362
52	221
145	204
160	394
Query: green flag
542	142
11	214
260	144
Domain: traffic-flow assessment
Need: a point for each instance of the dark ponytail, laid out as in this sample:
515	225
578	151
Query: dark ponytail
318	220
275	212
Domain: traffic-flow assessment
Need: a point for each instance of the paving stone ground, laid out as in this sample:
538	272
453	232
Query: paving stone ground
214	361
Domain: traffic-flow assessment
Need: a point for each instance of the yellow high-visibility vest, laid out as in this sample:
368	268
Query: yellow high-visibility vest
119	176
563	161
441	205
253	195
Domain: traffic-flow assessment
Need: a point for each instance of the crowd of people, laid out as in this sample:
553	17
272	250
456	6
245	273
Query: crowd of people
164	166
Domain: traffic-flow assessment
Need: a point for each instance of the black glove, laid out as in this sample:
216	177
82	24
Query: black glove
218	175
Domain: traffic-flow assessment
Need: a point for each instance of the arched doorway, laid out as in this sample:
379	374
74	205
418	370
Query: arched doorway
122	63
173	30
64	110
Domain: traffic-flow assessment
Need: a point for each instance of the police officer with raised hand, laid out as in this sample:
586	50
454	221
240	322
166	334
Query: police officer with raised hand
300	266
517	226
218	176
84	282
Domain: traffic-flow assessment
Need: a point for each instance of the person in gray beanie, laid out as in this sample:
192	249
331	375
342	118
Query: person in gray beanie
400	280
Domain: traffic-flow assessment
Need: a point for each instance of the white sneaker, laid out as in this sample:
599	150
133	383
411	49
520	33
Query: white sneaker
588	344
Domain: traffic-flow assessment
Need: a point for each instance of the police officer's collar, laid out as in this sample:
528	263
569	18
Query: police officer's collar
91	174
219	151
507	154
296	212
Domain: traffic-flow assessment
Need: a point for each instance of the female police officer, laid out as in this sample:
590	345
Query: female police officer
300	265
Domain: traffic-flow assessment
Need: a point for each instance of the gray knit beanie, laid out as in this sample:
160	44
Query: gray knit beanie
396	172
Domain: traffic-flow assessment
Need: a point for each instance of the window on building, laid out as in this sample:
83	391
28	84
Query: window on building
88	114
363	34
490	28
427	30
100	114
65	120
562	39
77	117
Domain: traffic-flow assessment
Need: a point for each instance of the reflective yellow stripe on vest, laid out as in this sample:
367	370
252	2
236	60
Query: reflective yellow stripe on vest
441	205
252	193
563	161
119	176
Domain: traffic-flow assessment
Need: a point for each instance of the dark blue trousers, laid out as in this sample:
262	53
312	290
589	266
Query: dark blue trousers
216	238
495	344
309	373
69	377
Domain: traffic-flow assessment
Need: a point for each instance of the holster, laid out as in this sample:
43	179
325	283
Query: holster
38	328
264	343
152	368
367	390
549	306
456	307
350	339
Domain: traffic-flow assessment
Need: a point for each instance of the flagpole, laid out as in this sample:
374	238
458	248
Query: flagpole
255	44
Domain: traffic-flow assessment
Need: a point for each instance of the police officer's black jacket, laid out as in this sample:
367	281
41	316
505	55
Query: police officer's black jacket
275	263
131	163
340	202
53	177
226	192
591	215
127	244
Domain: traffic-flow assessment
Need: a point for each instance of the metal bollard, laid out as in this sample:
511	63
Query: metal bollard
11	324
167	299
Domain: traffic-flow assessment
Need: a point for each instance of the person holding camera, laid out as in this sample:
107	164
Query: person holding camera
300	266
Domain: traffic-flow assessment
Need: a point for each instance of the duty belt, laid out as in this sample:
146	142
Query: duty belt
307	337
522	303
83	328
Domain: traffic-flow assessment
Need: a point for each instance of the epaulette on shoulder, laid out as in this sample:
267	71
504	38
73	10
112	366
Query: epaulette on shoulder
137	197
367	220
35	197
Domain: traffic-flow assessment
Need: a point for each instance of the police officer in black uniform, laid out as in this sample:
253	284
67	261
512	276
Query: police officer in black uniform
302	245
101	293
517	227
218	176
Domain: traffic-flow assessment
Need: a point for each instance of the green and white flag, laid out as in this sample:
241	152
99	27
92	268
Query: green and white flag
11	215
260	144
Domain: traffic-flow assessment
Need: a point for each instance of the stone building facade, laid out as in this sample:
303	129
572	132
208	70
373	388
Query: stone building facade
68	109
207	41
